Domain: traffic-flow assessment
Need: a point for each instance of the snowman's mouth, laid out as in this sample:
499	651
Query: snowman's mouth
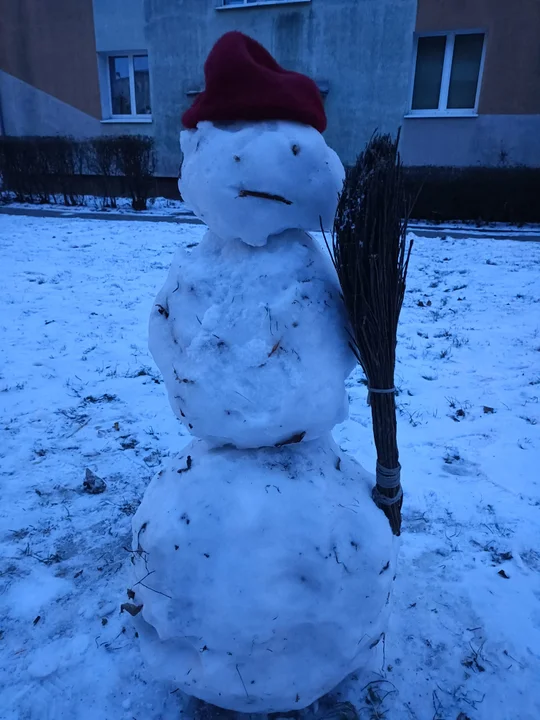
264	196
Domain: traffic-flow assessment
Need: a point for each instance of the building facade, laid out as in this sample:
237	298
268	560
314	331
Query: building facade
462	77
86	67
474	90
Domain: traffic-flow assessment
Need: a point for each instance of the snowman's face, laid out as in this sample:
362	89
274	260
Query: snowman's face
248	181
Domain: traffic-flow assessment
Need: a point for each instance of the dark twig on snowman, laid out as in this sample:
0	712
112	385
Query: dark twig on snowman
261	601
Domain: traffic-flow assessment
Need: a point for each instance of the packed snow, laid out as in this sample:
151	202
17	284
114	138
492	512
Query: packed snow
252	342
80	391
251	336
257	562
248	181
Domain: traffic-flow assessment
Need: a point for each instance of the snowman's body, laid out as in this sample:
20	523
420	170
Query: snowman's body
252	342
268	566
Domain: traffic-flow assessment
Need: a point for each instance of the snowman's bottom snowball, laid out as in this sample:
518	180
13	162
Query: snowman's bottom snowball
266	574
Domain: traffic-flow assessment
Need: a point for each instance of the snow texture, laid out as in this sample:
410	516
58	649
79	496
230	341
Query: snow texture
252	342
251	336
78	390
251	564
93	204
289	163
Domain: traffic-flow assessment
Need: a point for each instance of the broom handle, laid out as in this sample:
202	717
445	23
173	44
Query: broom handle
383	412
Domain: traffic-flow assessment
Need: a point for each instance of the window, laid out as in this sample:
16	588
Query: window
448	71
129	86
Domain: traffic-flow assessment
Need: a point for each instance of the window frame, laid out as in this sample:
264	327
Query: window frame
446	75
243	4
107	102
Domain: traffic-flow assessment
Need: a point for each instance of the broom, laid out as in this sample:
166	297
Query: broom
371	255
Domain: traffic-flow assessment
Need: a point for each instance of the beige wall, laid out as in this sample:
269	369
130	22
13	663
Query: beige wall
50	45
511	81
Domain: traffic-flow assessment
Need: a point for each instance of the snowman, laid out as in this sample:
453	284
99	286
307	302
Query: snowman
262	567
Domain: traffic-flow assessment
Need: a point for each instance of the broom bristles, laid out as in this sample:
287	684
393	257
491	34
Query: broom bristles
371	256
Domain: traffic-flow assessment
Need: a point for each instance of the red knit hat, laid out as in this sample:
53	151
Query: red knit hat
244	82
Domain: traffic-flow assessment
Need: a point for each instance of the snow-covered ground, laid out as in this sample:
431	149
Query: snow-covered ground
156	206
79	390
497	230
165	207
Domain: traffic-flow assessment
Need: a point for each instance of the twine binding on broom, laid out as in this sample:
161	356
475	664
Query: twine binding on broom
377	391
388	479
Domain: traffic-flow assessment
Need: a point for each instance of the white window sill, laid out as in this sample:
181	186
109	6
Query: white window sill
129	119
323	85
441	114
242	6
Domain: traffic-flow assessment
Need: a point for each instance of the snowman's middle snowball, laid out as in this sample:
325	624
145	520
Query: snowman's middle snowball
252	342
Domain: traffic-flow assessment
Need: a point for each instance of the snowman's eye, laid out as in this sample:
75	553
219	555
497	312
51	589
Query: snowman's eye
236	158
295	149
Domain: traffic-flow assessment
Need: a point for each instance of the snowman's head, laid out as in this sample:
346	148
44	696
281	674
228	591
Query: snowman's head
255	162
248	181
